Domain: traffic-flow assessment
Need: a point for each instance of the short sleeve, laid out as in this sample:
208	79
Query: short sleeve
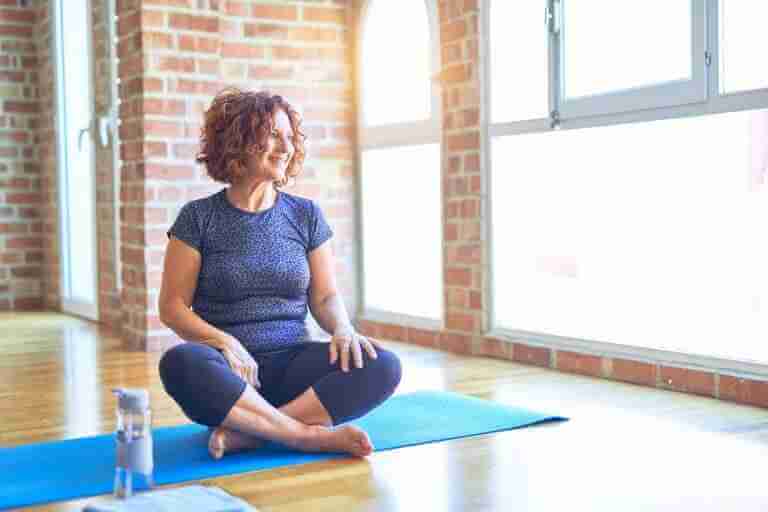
319	230
187	227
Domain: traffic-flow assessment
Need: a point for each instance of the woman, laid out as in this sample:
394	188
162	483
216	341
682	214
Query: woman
249	260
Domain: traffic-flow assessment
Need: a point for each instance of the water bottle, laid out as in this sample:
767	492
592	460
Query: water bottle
133	437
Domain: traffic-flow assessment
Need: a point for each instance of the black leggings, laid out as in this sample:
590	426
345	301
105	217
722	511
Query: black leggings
200	380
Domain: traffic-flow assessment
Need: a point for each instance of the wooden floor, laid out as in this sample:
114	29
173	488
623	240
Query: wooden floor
625	448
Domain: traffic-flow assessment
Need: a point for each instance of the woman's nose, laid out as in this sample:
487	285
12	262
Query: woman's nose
283	142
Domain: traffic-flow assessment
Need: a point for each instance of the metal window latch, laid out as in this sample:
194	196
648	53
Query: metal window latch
554	120
708	58
551	16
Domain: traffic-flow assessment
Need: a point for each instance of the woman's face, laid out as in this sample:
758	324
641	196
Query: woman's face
273	162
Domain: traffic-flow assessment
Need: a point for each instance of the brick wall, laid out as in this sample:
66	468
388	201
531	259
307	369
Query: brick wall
20	187
174	57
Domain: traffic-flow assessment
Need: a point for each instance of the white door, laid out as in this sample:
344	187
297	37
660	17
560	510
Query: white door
76	167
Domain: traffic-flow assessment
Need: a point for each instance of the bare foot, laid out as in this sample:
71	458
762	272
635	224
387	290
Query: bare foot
347	438
223	441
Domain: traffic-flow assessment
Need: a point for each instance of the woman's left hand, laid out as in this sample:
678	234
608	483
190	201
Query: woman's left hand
346	340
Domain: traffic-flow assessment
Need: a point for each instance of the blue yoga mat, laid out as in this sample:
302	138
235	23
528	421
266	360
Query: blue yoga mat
74	468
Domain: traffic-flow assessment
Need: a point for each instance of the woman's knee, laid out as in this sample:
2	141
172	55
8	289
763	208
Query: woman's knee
386	367
177	363
197	378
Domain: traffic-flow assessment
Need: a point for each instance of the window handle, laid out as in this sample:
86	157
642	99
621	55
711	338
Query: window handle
552	16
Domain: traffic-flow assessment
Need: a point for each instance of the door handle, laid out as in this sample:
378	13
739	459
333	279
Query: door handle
87	129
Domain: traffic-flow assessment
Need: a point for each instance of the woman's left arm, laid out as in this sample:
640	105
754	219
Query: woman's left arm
328	309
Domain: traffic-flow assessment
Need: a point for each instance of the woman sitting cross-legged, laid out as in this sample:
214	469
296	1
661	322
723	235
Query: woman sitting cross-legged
241	268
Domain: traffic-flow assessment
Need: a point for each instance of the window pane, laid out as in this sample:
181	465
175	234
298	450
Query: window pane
519	61
608	49
742	35
396	63
401	196
647	234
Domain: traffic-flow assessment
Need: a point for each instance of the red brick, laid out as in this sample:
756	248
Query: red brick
171	63
470	230
456	297
475	184
13	227
233	8
464	142
746	391
470	208
24	243
16	30
190	43
451	232
457	277
635	372
324	15
455	73
494	348
260	72
393	332
28	304
688	381
191	22
164	107
527	354
22	198
17	16
208	67
197	87
422	337
275	12
26	272
475	300
241	51
21	107
452	31
151	19
368	328
156	40
153	171
579	363
460	322
472	164
456	343
163	128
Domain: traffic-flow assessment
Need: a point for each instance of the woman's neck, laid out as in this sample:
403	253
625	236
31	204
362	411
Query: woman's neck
253	197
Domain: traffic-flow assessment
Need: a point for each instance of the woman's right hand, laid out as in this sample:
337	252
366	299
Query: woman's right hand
241	361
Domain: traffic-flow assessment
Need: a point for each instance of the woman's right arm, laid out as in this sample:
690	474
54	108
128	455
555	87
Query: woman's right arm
180	271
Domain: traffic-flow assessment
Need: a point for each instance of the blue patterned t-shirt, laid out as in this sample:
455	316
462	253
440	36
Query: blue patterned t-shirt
254	275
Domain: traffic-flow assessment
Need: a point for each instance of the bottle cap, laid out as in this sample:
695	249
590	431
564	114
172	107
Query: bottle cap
132	399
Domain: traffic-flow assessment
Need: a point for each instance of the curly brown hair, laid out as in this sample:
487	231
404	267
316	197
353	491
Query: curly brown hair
239	120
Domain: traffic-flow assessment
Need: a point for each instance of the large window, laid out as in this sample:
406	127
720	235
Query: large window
620	214
400	184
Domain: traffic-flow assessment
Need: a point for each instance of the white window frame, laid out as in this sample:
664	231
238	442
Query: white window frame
714	102
410	133
663	101
693	90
